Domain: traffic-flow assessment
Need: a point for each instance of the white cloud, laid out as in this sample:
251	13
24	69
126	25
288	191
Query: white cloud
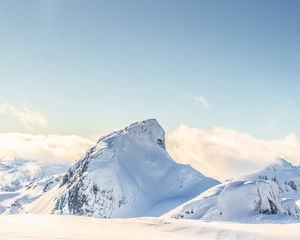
202	100
51	148
220	153
225	153
25	115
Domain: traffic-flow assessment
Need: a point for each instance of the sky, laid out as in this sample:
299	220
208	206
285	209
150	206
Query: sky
83	68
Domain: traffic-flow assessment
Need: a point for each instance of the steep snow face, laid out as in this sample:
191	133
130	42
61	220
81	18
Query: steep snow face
126	174
272	191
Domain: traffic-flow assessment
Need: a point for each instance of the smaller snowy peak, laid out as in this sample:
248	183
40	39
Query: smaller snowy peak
281	164
236	201
273	192
278	171
282	173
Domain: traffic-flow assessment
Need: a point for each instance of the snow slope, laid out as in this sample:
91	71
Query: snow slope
36	227
128	173
269	195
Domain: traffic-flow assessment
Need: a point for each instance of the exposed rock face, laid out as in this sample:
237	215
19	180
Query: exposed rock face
128	173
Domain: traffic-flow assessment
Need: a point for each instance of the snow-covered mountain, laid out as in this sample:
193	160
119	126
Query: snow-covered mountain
128	173
285	175
268	194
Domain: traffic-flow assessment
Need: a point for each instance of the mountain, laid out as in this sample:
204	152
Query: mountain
285	175
24	181
270	194
18	173
128	173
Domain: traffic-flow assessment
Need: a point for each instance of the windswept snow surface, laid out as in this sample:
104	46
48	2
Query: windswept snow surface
128	173
37	227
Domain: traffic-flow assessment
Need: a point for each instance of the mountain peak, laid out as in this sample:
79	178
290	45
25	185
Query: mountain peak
146	130
281	163
151	128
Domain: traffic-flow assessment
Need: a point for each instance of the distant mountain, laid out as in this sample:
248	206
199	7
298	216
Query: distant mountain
18	173
267	194
128	173
285	175
23	181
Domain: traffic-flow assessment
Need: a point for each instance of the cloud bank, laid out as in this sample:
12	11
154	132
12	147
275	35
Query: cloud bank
51	148
225	153
25	115
219	153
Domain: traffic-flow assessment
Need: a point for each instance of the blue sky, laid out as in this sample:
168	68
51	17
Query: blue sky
92	66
